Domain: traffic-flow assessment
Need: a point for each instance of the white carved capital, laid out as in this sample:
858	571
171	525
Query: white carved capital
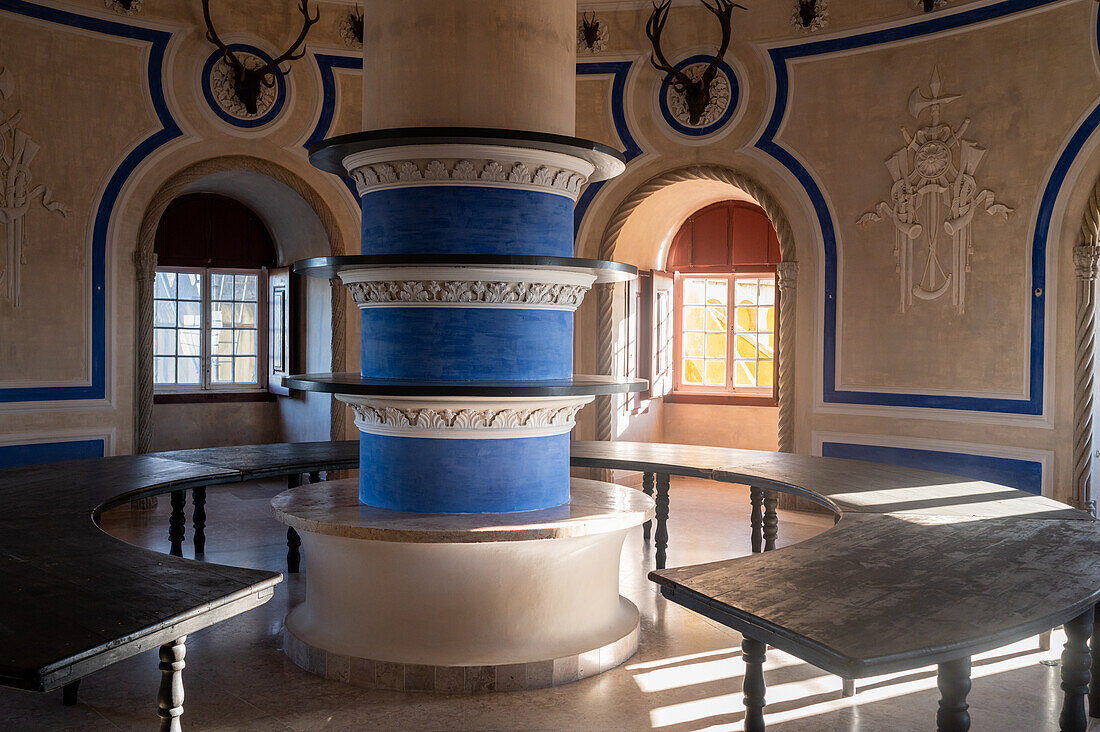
788	275
468	165
465	418
1085	259
529	288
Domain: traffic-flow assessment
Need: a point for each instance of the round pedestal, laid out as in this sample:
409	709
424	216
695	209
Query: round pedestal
462	602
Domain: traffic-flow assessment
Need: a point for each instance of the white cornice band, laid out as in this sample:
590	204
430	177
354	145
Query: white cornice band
527	288
483	166
465	418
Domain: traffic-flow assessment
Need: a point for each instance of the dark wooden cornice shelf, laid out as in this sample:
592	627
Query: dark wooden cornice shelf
354	384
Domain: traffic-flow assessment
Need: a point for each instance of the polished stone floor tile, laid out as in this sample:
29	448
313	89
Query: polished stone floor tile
686	675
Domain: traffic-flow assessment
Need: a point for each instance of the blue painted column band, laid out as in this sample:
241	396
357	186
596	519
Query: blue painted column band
432	475
466	344
467	220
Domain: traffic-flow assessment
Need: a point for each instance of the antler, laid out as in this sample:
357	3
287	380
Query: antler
723	10
653	29
272	68
212	36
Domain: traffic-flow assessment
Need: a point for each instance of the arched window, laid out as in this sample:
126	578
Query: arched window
209	296
723	260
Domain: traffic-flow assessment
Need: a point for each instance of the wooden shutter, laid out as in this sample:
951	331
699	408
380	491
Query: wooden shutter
280	334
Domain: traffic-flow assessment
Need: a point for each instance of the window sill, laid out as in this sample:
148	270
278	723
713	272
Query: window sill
742	400
212	397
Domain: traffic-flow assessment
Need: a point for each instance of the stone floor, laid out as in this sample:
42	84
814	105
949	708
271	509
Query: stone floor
686	675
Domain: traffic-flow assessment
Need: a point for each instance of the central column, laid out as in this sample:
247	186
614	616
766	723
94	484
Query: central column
464	551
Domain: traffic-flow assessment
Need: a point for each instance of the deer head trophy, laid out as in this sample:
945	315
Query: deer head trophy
355	22
807	12
696	91
247	82
928	5
590	30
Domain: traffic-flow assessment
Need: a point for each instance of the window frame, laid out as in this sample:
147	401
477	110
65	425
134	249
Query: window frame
207	389
730	393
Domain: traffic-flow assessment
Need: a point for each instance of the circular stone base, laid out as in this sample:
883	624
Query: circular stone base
373	674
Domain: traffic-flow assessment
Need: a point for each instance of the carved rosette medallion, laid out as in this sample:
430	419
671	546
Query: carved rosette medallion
598	46
932	203
469	287
819	21
123	8
477	419
345	29
221	87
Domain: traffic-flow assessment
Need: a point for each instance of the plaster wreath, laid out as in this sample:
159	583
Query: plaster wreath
716	107
221	84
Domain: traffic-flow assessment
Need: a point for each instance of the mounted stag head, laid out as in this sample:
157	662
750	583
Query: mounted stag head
807	12
247	82
696	91
355	22
928	5
590	30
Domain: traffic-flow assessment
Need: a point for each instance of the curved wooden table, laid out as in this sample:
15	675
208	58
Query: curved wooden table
920	568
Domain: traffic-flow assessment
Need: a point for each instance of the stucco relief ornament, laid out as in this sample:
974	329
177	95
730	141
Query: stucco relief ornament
221	84
808	16
591	35
124	7
17	194
716	107
932	203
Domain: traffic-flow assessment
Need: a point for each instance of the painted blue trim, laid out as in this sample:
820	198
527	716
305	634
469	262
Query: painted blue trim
16	456
466	220
466	344
779	58
735	96
619	70
1025	475
158	41
432	475
208	92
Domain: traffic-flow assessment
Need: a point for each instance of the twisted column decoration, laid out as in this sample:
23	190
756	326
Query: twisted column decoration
169	191
787	275
1085	266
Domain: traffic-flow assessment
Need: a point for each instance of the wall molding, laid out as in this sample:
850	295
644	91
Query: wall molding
781	58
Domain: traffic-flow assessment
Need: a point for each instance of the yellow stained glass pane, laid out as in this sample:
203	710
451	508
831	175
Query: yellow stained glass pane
744	346
716	372
767	346
716	345
746	319
745	373
764	374
693	318
693	291
769	318
744	292
717	292
693	371
716	319
693	345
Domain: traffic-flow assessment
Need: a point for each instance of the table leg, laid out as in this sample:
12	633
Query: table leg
954	683
198	519
753	652
170	697
1094	675
771	520
647	488
848	688
177	523
315	477
756	518
293	541
1044	641
660	537
69	692
1076	661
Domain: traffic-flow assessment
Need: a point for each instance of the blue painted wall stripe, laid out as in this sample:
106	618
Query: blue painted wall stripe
430	475
15	456
1025	475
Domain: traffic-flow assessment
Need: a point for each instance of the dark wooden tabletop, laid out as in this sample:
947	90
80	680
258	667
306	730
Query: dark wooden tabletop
921	567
